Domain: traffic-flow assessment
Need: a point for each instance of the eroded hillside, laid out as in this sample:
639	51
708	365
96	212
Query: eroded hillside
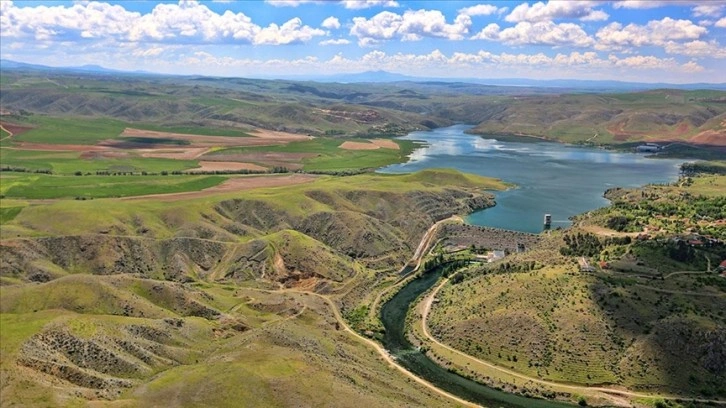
146	301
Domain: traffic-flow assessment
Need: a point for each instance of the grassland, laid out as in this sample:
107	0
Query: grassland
41	186
175	299
220	106
69	130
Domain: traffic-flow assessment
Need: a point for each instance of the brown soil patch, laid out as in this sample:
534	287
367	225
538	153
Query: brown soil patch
386	144
15	129
260	138
223	166
710	137
682	129
108	154
292	161
234	184
189	153
272	134
358	146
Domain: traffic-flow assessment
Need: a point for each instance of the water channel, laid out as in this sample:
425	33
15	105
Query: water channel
551	178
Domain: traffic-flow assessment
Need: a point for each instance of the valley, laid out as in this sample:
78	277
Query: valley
234	242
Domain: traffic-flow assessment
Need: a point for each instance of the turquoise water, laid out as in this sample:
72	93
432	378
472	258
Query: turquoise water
552	178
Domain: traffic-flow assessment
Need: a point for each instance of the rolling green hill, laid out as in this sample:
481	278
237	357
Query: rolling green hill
697	117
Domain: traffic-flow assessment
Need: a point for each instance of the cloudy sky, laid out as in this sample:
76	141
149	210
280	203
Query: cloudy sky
632	40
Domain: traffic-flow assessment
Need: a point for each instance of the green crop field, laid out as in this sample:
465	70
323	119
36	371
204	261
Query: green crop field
70	130
41	186
328	156
67	163
90	130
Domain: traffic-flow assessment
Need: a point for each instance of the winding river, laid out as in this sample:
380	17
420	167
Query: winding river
551	178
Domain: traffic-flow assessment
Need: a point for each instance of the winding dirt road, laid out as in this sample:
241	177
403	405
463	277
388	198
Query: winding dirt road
382	351
10	134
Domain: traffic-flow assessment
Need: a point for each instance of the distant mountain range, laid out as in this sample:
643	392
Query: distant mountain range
94	69
384	77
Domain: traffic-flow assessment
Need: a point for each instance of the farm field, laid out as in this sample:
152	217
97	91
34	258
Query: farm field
320	154
42	186
93	145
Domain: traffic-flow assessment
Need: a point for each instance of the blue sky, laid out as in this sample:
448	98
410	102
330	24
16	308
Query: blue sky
646	41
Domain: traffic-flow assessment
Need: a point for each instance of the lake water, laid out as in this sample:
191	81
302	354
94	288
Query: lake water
552	178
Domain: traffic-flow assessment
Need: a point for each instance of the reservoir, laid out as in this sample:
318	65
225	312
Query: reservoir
550	178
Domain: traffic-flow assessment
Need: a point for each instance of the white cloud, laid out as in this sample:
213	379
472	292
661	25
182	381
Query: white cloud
540	12
364	4
188	22
92	20
437	62
721	23
650	4
349	4
709	10
692	67
696	48
339	41
479	10
641	62
701	8
411	26
655	32
331	23
149	52
291	32
542	33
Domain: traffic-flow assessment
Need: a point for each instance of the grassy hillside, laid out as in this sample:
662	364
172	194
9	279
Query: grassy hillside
41	186
659	115
195	105
147	302
649	316
151	343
